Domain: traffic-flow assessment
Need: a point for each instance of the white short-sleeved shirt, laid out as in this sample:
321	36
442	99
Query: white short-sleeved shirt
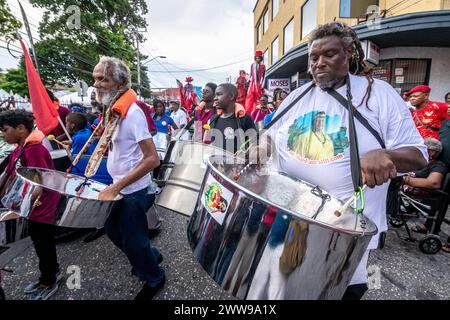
180	118
312	139
125	153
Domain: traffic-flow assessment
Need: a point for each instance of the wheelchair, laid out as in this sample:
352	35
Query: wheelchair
431	205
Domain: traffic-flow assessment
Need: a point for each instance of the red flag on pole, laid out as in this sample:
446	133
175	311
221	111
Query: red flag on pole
181	93
43	109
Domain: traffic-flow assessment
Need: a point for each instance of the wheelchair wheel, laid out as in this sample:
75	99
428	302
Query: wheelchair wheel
430	244
396	222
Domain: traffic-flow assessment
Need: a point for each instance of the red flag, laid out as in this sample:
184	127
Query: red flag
43	109
181	93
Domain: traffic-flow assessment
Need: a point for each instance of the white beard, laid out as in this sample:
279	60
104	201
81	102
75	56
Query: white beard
106	98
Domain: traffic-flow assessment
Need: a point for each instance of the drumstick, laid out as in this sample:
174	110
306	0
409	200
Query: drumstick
52	138
88	144
346	205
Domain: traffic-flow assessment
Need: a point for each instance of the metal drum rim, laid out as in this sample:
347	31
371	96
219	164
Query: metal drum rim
119	197
287	211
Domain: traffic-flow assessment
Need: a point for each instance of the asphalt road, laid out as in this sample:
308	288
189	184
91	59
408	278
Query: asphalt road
404	272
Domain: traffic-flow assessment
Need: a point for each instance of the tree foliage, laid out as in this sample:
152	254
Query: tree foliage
107	28
15	80
8	23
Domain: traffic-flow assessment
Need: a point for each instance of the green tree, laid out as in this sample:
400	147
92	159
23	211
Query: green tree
8	23
68	52
15	80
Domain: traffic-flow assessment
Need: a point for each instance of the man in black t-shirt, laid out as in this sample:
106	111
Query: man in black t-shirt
430	177
228	130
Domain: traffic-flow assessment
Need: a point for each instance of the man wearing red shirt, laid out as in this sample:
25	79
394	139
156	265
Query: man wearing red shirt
428	115
262	110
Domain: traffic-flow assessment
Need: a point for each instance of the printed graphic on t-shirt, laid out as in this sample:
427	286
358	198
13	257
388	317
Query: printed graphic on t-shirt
229	133
317	138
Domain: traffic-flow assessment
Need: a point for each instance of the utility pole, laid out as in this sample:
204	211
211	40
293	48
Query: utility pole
30	36
138	63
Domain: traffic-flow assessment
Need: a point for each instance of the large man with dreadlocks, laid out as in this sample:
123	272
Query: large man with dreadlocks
313	139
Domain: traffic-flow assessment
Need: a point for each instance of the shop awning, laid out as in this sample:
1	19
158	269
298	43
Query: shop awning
424	29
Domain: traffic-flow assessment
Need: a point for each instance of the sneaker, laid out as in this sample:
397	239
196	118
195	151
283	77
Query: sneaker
34	286
148	293
158	190
44	293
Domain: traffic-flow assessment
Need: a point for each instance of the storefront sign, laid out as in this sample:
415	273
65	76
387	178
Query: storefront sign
371	51
398	71
284	84
382	73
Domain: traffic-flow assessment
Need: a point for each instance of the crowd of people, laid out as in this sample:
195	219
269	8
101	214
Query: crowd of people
312	142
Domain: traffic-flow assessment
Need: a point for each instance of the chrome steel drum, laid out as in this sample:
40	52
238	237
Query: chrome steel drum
169	161
161	141
60	159
77	207
269	236
12	228
185	168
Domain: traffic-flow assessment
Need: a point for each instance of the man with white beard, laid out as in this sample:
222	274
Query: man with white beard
132	156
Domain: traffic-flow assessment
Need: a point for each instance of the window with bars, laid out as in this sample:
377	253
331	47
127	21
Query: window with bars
403	74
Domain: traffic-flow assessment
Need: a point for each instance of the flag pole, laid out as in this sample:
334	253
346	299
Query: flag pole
30	36
64	128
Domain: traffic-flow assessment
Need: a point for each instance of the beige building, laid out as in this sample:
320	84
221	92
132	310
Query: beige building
406	34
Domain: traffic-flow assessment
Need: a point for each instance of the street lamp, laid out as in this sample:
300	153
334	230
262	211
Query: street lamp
162	57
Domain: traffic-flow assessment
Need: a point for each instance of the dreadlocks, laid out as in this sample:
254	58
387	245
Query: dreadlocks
357	65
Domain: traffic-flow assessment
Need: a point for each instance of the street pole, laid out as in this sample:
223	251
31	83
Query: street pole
138	64
30	36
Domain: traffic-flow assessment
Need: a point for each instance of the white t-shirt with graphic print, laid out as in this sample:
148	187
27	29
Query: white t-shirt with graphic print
125	153
312	139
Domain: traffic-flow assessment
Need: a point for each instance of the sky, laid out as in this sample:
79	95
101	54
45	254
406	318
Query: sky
192	35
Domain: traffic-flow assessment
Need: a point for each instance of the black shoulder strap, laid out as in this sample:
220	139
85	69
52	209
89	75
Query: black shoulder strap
425	125
289	107
358	116
16	161
213	120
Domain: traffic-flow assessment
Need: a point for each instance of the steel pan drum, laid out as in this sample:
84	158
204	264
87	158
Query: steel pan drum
269	236
185	167
77	208
12	229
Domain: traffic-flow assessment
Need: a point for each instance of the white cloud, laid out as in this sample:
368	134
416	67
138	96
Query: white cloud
198	34
194	34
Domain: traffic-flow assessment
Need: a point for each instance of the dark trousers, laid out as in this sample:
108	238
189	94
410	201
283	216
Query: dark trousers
127	228
43	237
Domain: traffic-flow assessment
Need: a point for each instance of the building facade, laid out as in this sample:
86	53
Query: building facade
405	39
